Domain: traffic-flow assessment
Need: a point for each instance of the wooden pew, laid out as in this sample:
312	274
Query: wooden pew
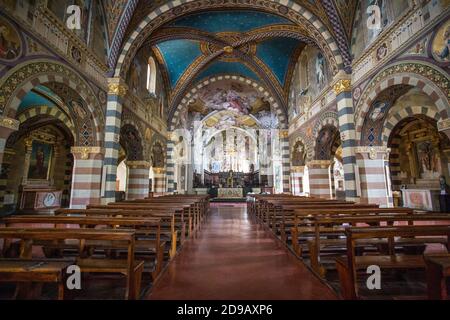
147	230
333	225
172	223
125	239
32	271
438	272
303	215
349	266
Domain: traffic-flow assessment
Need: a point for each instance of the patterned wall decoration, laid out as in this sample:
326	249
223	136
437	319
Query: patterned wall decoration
423	76
373	124
10	42
20	80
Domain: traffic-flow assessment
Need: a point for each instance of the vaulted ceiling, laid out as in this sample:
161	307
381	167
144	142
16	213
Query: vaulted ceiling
235	41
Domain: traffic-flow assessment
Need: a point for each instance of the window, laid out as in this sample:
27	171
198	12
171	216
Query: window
151	76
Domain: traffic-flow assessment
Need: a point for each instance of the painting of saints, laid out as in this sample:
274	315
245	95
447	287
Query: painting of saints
39	161
378	111
441	44
9	42
320	70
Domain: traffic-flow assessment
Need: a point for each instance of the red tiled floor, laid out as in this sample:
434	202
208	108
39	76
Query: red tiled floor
232	258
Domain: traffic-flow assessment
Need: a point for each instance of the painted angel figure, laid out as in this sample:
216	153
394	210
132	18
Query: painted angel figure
320	69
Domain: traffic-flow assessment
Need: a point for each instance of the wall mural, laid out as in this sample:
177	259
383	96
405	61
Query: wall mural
311	76
390	12
299	155
441	43
222	105
41	154
10	44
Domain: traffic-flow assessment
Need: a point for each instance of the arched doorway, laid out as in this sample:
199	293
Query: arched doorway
419	157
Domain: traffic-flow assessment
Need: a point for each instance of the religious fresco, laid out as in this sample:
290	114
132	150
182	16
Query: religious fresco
225	104
299	154
10	44
311	76
440	46
390	12
40	160
24	8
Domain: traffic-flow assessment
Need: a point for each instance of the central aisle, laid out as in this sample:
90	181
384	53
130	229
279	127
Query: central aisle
233	258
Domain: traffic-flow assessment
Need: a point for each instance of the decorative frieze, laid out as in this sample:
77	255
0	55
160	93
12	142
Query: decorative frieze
85	152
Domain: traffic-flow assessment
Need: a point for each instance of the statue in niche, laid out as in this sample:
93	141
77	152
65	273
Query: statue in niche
320	70
158	156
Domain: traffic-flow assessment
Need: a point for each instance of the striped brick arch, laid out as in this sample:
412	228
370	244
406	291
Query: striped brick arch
287	8
47	111
415	75
402	114
24	77
259	88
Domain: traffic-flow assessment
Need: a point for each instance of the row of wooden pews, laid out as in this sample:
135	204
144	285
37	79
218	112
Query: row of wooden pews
129	238
356	236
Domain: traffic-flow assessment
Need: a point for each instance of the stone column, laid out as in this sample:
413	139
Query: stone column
116	93
342	88
373	164
285	159
86	176
319	178
170	164
160	179
297	180
138	179
7	126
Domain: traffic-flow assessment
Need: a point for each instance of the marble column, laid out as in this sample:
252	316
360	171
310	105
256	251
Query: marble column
285	159
319	178
373	164
170	164
159	176
297	180
343	90
86	176
116	93
138	179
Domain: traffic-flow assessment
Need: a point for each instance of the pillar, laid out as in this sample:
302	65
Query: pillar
86	176
285	159
7	126
170	164
297	180
116	94
160	181
342	88
319	178
373	164
138	179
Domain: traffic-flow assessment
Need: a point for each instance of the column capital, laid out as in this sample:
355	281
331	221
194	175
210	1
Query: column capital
444	124
138	164
342	82
319	163
158	170
373	151
116	86
284	133
84	153
298	169
9	124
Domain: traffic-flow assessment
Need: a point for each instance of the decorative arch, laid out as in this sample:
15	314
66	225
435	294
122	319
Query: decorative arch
432	81
288	8
184	102
47	111
327	119
22	78
402	114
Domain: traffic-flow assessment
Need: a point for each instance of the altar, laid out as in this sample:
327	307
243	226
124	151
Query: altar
230	193
421	199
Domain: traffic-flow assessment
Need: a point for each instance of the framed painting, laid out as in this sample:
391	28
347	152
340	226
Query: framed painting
40	161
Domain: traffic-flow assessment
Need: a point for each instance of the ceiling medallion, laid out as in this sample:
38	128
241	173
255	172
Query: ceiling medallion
229	38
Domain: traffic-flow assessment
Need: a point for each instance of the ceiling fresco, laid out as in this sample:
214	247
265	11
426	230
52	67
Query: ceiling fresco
228	39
